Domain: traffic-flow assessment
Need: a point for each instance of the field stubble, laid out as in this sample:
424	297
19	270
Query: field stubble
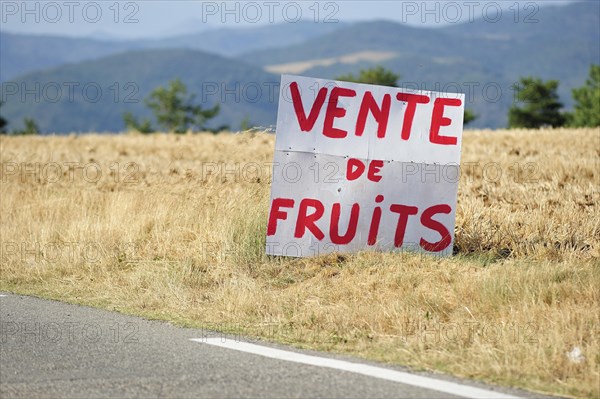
173	227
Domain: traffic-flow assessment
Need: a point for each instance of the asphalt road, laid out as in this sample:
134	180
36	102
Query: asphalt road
52	349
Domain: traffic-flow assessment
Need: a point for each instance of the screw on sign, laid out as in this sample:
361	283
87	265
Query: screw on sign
370	134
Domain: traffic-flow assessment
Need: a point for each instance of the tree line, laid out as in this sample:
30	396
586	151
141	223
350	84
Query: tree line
540	104
537	105
30	127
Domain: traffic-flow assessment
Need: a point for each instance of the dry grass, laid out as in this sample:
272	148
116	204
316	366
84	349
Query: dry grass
175	243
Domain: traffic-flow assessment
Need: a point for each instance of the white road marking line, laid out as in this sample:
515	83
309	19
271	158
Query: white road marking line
2	295
452	388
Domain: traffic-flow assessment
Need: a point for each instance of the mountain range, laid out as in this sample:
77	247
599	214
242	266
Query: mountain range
238	68
21	53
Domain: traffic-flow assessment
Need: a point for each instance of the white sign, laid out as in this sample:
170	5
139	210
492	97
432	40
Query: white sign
363	167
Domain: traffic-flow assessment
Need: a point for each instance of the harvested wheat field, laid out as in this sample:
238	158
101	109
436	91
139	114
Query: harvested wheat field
173	227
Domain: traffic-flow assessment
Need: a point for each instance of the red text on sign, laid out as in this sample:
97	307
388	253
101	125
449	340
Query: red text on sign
311	211
369	105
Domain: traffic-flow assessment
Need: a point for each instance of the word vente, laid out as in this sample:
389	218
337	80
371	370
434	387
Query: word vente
379	111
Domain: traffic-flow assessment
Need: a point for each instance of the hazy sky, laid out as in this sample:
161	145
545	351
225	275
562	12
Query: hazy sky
158	18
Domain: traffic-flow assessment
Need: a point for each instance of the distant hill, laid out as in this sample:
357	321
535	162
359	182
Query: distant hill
361	36
235	41
20	54
109	86
577	24
480	57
